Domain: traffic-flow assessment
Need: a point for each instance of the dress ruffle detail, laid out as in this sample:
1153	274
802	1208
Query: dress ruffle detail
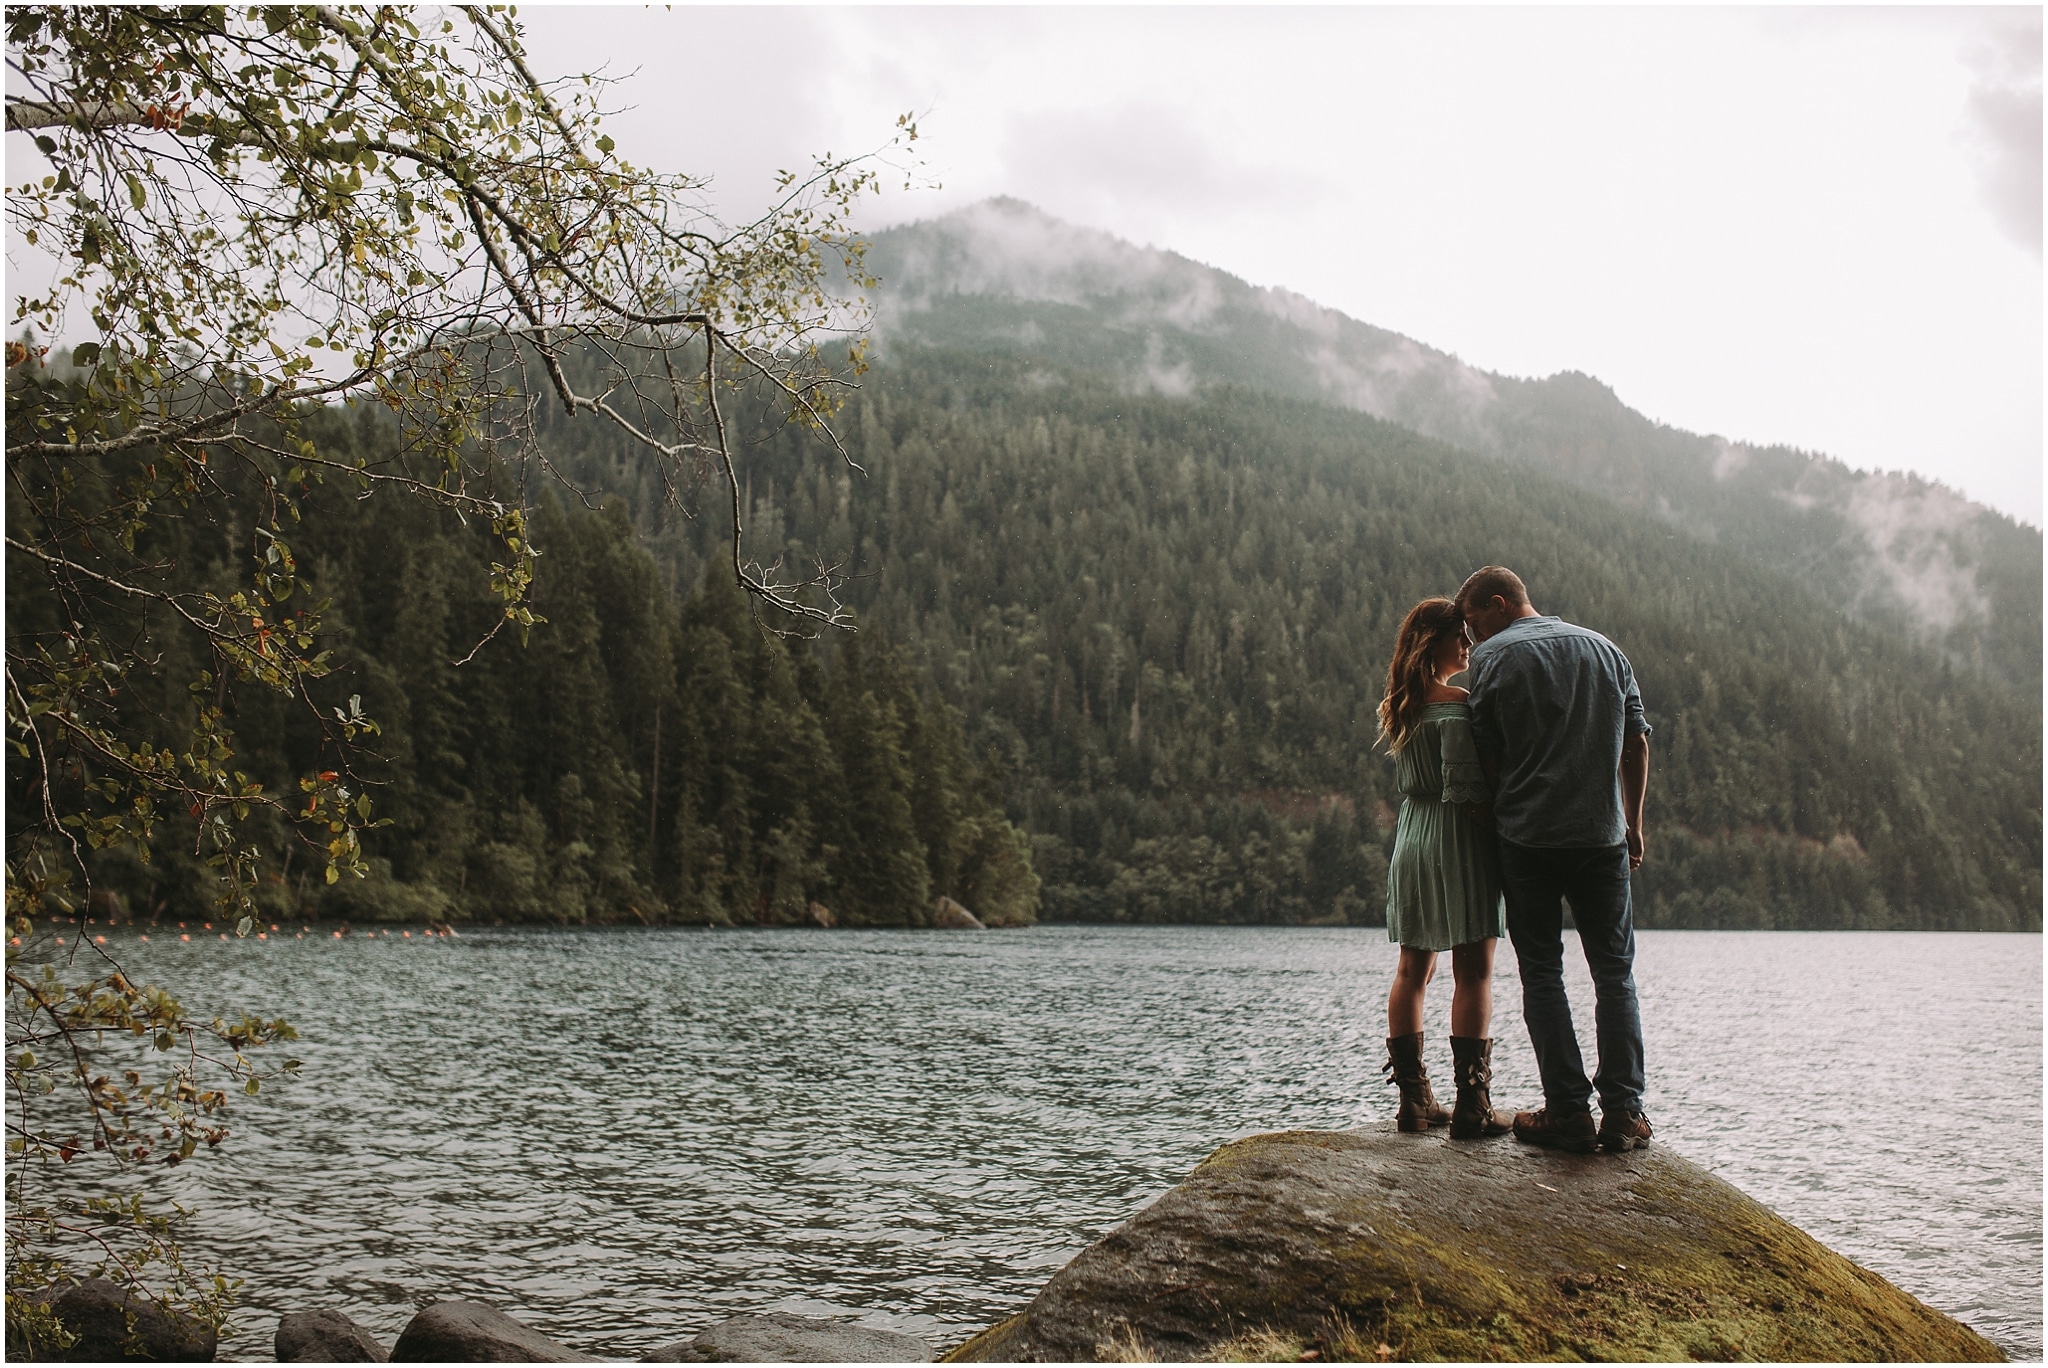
1464	784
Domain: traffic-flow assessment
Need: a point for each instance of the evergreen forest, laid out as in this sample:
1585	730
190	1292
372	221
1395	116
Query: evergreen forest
1117	661
1005	278
644	757
1166	621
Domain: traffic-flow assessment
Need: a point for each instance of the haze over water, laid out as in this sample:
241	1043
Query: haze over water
621	1137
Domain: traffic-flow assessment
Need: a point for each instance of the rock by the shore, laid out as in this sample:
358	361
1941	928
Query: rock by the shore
470	1332
1377	1245
776	1337
325	1336
111	1323
951	916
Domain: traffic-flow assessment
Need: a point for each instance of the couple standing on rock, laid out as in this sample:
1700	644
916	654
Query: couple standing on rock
1525	790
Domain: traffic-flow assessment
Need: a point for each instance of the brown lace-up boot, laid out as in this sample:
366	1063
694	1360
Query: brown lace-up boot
1558	1130
1620	1132
1419	1108
1472	1069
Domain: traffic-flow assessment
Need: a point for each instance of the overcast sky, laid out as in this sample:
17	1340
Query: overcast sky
1819	227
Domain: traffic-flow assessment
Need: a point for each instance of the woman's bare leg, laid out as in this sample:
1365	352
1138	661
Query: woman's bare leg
1471	990
1404	999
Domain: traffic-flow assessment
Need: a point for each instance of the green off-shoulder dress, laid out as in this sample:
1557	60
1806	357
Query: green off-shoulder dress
1443	883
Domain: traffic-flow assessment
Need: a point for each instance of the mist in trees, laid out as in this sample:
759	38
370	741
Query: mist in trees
1117	662
1170	616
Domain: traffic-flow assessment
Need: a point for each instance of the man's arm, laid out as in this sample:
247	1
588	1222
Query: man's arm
1485	728
1635	782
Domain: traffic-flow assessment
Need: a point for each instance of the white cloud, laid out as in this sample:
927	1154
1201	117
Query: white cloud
1142	162
1765	222
2004	121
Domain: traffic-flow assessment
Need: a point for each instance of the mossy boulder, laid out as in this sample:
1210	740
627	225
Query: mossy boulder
1375	1245
777	1337
325	1336
107	1321
470	1332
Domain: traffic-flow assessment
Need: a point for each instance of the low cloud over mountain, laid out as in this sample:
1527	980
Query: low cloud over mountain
1002	275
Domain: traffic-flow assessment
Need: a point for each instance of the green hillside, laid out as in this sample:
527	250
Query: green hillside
645	757
1894	550
1138	641
1166	621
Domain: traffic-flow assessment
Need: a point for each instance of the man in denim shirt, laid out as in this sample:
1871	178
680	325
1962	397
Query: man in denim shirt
1559	724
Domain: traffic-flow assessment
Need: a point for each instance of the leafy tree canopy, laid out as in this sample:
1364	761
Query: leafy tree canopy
249	215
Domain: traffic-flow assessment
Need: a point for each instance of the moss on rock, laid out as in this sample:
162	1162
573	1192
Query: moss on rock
1376	1245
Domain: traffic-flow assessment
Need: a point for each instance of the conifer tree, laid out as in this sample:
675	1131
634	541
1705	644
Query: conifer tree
879	870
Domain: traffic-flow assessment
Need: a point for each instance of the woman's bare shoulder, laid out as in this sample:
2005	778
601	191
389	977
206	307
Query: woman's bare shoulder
1448	693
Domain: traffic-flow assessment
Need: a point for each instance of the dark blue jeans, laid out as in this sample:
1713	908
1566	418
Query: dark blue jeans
1595	882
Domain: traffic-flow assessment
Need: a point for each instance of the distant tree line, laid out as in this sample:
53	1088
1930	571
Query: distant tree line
643	757
1169	619
1137	646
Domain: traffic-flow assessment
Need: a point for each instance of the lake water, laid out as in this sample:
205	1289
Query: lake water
621	1137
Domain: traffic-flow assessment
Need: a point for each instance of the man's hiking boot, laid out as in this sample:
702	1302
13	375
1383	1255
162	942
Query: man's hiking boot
1419	1108
1558	1130
1621	1132
1472	1068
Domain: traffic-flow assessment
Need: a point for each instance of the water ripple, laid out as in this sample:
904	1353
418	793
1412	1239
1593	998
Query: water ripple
623	1136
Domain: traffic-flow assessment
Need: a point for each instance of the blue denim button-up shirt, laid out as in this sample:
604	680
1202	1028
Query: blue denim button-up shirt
1551	706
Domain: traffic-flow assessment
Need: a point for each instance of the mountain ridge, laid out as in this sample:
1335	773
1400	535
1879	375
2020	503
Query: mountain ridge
1891	548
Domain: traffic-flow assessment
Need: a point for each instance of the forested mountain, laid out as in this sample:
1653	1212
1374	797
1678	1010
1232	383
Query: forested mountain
1893	549
1166	619
646	756
1120	649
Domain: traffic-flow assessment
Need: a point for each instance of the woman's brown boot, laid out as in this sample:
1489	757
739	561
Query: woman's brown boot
1419	1107
1472	1067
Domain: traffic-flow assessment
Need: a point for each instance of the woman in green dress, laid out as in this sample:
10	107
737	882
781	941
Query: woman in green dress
1443	882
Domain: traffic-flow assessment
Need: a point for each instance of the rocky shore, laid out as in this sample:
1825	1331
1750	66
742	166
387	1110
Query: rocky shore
111	1326
1302	1246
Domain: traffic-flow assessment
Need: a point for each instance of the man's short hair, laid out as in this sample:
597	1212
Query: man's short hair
1487	581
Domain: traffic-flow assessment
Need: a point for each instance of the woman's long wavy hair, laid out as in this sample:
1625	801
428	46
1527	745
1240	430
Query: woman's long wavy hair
1409	674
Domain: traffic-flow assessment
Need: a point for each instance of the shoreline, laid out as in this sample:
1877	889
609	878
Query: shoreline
67	932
